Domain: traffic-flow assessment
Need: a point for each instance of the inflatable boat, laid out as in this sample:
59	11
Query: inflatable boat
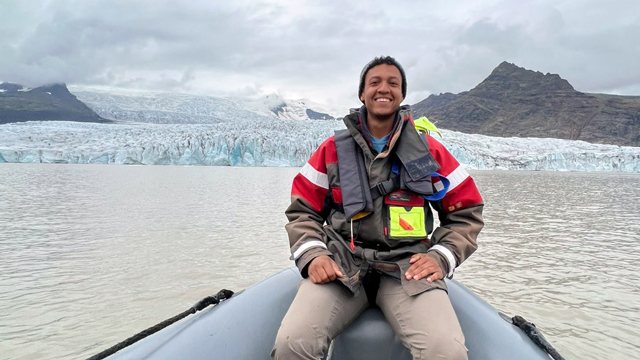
245	326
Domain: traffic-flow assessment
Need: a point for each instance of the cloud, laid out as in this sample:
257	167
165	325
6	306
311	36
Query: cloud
314	49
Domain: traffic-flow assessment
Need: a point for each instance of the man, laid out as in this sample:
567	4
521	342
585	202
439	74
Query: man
372	185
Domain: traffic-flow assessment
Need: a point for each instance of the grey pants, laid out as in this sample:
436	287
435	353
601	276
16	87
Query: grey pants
426	323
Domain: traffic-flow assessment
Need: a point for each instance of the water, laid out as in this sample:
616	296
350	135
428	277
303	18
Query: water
91	254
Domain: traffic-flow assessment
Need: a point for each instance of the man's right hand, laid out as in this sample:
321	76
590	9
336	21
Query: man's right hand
323	270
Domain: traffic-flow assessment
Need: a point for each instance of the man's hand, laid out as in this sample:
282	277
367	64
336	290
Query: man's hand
323	270
423	265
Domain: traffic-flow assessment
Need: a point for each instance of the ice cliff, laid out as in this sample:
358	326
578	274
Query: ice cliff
275	142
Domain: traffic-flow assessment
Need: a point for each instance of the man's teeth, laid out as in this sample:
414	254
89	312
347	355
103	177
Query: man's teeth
383	100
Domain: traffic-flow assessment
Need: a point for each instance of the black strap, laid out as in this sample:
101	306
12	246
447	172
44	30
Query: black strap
372	245
209	300
536	336
385	187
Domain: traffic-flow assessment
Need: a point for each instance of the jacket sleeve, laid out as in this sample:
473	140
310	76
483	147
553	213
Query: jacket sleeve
305	214
460	212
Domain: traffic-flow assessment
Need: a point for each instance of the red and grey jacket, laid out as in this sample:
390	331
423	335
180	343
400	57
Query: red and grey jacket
318	224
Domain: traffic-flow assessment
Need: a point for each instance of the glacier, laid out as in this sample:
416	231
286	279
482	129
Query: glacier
276	142
172	108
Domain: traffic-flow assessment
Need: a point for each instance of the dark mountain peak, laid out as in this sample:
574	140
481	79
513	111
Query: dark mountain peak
56	87
59	90
10	87
508	78
507	67
48	102
513	101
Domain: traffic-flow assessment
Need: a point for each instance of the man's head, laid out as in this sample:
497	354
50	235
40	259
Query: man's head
388	60
383	86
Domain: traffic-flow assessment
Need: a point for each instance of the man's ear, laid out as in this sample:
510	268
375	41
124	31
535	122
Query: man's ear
362	98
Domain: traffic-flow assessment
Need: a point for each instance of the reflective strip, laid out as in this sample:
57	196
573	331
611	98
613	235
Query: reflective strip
306	246
315	176
456	177
447	254
438	185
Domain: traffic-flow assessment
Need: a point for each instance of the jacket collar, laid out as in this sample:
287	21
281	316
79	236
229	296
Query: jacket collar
355	123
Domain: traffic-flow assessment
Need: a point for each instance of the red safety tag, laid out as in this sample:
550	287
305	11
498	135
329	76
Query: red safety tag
405	225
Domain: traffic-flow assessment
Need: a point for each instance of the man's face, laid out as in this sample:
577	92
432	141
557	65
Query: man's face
382	93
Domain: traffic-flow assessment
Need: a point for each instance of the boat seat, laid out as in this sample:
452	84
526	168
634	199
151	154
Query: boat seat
369	337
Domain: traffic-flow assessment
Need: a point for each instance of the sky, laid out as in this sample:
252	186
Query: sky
315	49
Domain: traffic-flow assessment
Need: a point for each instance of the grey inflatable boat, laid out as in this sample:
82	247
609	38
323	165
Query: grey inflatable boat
245	327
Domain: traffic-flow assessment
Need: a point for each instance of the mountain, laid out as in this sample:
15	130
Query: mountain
50	102
168	108
300	109
514	101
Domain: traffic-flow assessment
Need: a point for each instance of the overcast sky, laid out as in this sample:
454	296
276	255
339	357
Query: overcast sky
315	49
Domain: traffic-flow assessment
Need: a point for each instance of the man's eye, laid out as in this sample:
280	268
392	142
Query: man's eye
393	83
373	82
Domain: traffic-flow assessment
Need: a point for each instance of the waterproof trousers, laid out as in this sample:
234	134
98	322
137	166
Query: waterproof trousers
425	323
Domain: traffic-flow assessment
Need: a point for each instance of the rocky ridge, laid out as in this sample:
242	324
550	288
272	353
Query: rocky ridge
49	102
515	102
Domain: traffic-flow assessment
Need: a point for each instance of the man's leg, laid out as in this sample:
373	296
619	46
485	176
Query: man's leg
319	313
425	323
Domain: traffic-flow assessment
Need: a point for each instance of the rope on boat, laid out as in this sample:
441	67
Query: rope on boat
223	294
532	332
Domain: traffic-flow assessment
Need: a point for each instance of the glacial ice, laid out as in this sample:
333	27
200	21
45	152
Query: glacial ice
275	142
168	108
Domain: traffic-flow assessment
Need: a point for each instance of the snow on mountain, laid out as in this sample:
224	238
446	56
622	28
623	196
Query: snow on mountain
301	109
277	142
161	108
167	108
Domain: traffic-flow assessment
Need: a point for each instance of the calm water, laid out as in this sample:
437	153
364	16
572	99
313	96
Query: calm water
90	255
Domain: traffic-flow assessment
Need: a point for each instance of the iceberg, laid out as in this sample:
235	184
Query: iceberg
276	142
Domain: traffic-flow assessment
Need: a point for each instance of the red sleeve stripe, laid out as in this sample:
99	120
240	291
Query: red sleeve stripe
314	176
311	193
464	195
456	177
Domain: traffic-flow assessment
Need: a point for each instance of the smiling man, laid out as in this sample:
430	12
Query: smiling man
361	228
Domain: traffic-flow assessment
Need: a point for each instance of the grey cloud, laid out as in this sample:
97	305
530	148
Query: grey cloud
315	49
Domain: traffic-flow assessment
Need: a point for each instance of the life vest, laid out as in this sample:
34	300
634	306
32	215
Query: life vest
406	192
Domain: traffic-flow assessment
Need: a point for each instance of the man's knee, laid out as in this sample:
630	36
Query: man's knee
442	348
297	345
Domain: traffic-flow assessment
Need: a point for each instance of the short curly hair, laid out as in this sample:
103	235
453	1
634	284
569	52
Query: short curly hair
388	60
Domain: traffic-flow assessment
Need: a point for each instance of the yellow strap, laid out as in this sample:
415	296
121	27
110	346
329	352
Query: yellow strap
360	215
425	125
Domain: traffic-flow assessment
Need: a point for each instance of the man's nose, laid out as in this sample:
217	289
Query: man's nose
384	87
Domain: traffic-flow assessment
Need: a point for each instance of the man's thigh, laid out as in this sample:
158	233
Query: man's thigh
319	313
425	323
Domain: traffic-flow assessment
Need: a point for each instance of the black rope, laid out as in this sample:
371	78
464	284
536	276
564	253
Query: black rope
536	336
209	300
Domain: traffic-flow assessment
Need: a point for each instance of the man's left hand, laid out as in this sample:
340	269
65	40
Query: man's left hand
422	266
